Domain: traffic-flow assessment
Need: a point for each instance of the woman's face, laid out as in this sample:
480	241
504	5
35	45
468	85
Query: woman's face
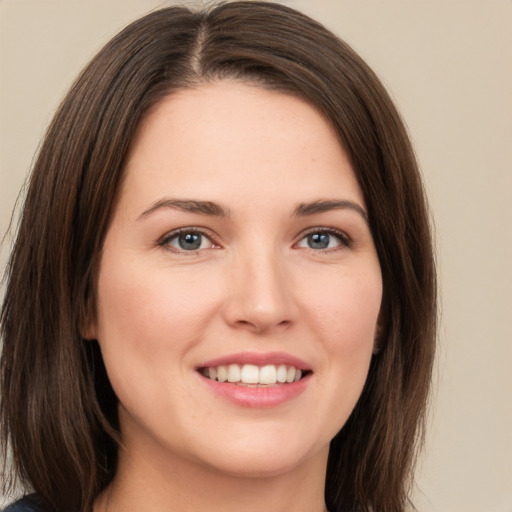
238	259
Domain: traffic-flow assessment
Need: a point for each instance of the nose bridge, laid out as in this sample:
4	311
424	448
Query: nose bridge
261	297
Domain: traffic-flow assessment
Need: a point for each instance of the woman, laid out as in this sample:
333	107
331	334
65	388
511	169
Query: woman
222	294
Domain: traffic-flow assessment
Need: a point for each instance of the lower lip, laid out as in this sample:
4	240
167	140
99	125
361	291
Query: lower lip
257	396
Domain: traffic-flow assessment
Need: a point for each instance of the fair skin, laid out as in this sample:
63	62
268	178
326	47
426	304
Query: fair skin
274	266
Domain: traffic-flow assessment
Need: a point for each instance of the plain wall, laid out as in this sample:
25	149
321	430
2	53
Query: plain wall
448	64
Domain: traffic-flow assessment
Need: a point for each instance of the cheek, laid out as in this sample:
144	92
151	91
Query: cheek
147	320
347	310
345	319
148	308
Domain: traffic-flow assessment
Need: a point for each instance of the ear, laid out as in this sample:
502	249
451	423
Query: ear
377	337
88	326
376	345
88	331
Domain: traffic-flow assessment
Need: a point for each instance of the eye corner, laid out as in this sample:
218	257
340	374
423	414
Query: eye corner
324	240
188	241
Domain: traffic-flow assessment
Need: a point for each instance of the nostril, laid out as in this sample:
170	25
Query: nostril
261	326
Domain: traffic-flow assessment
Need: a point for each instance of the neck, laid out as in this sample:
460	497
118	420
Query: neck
157	482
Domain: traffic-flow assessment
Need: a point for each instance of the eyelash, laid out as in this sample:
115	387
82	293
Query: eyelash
165	241
343	238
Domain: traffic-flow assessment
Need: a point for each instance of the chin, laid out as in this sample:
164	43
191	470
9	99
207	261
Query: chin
264	456
258	465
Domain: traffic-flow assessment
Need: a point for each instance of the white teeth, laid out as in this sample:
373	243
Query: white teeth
222	373
250	374
290	374
269	374
281	373
234	373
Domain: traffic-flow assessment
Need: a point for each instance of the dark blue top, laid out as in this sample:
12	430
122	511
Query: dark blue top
23	505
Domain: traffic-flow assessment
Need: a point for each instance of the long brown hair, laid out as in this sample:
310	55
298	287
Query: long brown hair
58	411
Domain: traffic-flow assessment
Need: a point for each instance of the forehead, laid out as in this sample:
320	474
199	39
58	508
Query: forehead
229	134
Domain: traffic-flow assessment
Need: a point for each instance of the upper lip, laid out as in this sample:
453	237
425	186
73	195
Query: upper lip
258	359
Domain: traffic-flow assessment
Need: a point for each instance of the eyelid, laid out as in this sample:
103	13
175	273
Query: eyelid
345	240
165	239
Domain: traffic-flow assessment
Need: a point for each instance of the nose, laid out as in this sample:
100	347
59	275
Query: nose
260	298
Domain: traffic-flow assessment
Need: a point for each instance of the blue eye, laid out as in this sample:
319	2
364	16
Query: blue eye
188	241
322	240
319	240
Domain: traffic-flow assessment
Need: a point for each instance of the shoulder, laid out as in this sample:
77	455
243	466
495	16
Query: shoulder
26	504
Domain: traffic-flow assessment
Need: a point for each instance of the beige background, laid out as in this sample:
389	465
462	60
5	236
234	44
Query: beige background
449	66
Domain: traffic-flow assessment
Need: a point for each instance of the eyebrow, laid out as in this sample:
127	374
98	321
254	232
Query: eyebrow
187	205
216	210
305	209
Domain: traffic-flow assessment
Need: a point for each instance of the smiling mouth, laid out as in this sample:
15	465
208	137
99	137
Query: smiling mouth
253	375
